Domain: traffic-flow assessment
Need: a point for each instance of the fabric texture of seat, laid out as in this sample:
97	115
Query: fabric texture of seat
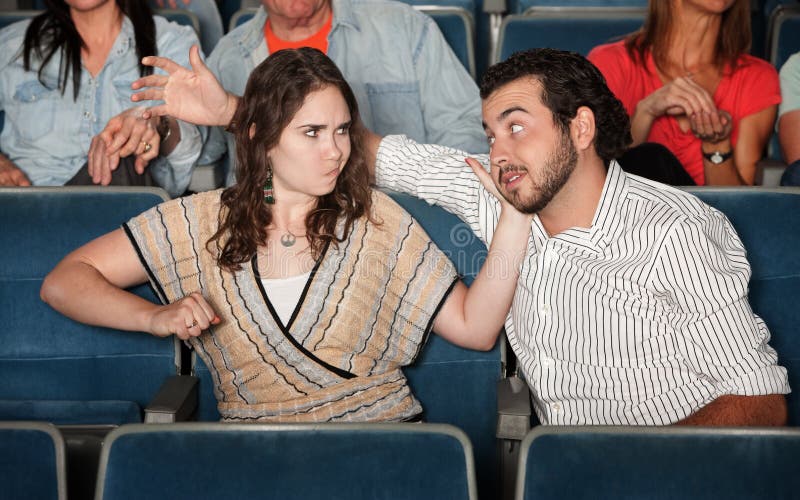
303	462
556	28
658	463
32	461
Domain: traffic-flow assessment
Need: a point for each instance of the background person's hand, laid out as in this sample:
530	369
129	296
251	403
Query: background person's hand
192	95
128	133
681	96
712	128
11	175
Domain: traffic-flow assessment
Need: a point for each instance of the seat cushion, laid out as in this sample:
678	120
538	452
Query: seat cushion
72	412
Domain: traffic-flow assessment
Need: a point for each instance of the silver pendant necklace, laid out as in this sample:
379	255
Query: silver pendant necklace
288	239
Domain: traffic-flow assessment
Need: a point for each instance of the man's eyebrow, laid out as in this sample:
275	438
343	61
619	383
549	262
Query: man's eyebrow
502	116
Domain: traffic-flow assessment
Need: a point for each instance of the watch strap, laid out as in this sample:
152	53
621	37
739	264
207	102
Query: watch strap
717	157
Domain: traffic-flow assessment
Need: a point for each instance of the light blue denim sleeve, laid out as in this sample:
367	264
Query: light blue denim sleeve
229	63
451	103
790	85
174	172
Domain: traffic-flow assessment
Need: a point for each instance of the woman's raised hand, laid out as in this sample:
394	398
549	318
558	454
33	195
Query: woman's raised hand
194	96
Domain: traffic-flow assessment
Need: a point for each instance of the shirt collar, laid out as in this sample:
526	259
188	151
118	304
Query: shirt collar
344	15
605	225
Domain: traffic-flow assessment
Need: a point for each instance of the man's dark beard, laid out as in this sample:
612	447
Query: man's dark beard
554	174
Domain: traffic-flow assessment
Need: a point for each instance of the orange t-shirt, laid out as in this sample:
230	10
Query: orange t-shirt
318	40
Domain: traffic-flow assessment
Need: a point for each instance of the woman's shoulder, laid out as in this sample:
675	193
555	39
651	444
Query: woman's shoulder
616	50
11	40
199	207
752	64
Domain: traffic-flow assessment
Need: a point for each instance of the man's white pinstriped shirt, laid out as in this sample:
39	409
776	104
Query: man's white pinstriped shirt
640	319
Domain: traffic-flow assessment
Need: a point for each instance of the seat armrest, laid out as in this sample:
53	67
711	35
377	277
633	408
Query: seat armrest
513	408
176	401
768	172
494	6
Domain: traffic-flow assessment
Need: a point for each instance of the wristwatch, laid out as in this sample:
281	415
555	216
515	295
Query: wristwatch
717	157
163	129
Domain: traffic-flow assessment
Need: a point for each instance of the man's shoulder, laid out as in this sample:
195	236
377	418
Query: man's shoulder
674	203
173	39
385	11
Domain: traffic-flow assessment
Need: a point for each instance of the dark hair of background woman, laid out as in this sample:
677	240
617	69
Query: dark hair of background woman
53	32
274	93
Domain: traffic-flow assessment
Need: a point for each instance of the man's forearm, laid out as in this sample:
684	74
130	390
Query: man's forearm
732	410
372	142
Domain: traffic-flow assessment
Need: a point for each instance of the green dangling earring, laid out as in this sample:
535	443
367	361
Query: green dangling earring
269	193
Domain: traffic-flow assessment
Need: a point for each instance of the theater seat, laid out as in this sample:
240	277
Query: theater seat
658	463
558	28
82	378
767	222
32	464
287	462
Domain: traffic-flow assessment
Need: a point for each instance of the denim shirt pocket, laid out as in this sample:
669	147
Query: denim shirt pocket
36	109
396	108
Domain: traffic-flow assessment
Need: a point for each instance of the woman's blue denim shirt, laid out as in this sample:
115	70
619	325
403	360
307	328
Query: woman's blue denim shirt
405	77
47	134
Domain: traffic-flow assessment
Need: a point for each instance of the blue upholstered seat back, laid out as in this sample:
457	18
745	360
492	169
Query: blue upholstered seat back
658	463
769	226
46	356
520	6
31	461
558	30
303	462
784	34
454	385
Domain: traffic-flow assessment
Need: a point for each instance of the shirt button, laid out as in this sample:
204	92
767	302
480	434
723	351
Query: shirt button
547	361
86	114
545	309
555	406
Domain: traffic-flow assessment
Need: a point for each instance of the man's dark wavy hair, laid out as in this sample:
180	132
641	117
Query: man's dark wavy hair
568	82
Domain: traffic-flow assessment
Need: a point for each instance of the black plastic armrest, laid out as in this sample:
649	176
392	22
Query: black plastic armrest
513	408
176	401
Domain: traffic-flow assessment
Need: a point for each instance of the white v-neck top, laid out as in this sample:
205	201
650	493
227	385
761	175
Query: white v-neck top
284	293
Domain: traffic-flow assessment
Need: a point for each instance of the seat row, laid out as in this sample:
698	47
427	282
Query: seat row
403	461
89	380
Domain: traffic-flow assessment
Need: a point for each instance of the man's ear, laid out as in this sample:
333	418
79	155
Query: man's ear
582	128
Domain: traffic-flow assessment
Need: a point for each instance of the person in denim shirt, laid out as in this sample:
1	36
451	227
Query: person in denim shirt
404	75
50	126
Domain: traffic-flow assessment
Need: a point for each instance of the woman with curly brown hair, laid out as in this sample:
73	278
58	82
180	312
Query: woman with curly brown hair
303	290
